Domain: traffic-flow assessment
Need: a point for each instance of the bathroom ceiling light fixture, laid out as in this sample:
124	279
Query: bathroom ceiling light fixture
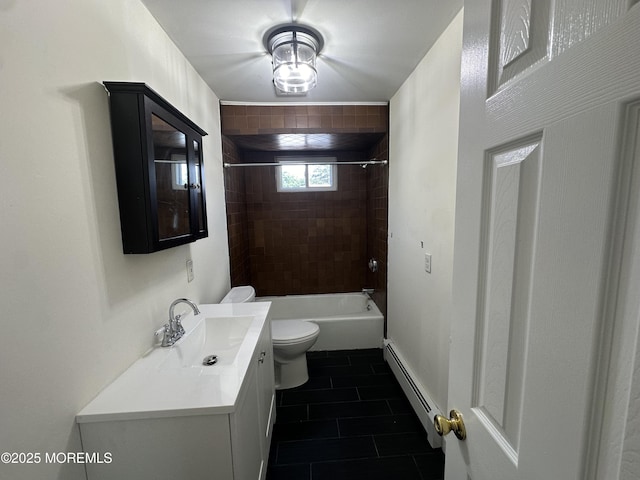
294	48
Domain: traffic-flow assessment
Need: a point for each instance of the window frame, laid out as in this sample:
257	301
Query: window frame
306	161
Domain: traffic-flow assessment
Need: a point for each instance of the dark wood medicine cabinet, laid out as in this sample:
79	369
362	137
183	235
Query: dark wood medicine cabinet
159	170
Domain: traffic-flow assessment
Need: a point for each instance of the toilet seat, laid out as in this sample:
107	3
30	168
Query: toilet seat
285	332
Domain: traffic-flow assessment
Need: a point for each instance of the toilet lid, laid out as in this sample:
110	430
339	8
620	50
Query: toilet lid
243	294
289	330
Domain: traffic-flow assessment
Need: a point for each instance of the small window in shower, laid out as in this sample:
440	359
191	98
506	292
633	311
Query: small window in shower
306	174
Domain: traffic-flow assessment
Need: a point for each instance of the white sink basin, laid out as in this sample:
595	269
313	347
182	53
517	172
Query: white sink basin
219	336
172	381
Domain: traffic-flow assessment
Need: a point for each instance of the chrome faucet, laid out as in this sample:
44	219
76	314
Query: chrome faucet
173	331
174	320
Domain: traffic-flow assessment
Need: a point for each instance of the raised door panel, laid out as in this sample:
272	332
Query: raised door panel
519	39
525	33
619	446
510	209
577	20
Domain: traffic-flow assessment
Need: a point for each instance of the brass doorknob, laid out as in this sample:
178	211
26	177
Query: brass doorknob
454	423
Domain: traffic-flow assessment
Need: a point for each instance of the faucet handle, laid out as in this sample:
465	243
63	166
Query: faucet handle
161	331
167	337
179	329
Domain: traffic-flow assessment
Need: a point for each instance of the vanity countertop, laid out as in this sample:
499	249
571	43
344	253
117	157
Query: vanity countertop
151	389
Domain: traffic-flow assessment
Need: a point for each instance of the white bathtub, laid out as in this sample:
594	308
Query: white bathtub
346	320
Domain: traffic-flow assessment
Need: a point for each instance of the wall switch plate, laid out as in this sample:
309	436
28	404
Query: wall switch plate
427	262
190	271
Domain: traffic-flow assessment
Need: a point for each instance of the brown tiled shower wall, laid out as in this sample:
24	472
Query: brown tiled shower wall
237	222
295	243
307	242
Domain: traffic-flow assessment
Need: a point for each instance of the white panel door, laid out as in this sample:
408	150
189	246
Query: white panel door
550	90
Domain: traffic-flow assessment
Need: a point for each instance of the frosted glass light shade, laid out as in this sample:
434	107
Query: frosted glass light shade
294	52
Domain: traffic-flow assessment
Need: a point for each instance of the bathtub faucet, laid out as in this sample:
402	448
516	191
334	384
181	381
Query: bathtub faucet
368	291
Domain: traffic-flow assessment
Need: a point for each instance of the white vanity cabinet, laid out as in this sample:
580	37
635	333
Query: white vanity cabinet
188	434
266	390
251	427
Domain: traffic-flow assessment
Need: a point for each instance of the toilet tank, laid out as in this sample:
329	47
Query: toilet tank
242	294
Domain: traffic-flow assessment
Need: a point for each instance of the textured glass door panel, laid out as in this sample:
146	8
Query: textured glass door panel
172	186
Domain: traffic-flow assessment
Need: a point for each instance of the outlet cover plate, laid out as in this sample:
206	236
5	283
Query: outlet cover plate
427	262
190	275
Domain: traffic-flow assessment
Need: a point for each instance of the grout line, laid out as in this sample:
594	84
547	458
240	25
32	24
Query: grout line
415	462
389	407
373	438
275	455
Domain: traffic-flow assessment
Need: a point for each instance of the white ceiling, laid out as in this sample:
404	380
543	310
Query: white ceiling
371	46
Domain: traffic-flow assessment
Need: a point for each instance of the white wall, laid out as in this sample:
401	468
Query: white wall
422	177
76	311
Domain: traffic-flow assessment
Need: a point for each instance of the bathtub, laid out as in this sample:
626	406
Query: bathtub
346	320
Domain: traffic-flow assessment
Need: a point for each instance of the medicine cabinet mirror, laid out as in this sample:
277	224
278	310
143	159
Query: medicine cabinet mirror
159	170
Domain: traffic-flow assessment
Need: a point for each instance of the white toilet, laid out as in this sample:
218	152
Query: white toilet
291	339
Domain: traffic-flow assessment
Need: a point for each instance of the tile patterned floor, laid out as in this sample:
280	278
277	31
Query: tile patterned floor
350	421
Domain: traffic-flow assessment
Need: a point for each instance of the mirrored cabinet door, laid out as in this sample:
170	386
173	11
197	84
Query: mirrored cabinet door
171	179
159	170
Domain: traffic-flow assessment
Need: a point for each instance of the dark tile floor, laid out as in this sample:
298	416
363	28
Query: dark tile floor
350	421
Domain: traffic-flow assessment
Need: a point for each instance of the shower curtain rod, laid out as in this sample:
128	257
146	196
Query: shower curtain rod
363	163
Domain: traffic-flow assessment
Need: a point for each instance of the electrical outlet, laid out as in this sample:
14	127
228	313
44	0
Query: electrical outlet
190	271
427	262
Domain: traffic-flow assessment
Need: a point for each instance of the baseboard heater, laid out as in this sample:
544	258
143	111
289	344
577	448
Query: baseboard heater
422	404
